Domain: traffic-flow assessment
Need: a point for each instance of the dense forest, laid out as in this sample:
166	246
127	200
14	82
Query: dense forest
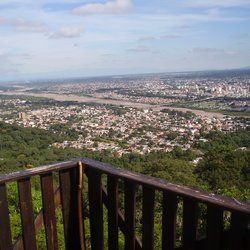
223	168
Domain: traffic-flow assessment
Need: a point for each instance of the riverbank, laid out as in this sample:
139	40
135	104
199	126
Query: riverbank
85	99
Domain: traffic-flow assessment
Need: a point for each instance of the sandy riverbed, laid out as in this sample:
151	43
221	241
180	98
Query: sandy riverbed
83	99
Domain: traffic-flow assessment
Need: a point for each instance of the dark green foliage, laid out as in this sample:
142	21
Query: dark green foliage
65	130
175	113
27	147
224	169
224	165
240	138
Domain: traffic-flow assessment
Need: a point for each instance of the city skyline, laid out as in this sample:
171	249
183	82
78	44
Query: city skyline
52	38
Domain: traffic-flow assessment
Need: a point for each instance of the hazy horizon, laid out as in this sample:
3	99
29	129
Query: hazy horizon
58	78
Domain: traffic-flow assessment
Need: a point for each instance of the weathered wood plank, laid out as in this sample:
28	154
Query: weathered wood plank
160	184
169	204
69	190
27	214
121	219
214	228
239	234
148	218
37	171
189	223
112	213
225	202
49	214
5	232
80	174
38	221
95	210
129	189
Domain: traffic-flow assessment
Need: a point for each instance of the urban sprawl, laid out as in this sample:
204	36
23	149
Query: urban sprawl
104	123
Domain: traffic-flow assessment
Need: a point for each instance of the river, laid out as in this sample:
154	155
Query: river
83	99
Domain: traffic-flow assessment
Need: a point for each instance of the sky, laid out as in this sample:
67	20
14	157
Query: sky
71	38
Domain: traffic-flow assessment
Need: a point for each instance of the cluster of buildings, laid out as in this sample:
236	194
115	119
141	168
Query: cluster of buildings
160	89
129	129
158	86
122	130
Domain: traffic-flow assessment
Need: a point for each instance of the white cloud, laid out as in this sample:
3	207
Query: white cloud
139	49
173	36
67	32
110	7
22	25
147	38
204	50
215	3
162	37
213	52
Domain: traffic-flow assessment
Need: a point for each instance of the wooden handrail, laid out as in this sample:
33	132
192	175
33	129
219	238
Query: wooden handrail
22	174
225	203
69	195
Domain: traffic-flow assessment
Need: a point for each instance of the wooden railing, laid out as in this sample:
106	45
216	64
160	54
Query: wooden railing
108	192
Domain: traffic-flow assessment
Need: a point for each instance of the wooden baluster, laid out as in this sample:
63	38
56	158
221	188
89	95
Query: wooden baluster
95	209
121	220
27	214
38	221
239	235
189	223
169	221
112	213
68	189
5	232
49	214
148	218
129	215
214	228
